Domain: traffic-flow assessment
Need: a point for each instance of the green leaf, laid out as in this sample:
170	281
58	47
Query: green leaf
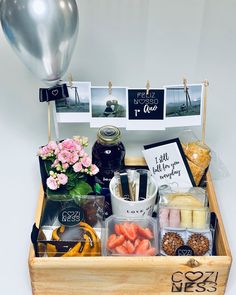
97	188
81	188
58	195
48	165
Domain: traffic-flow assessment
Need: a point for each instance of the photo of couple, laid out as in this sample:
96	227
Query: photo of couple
113	109
108	105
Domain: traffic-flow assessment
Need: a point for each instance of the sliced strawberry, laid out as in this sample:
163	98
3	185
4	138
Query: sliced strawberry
145	232
143	246
137	242
133	231
111	239
117	229
121	250
125	243
128	230
130	247
113	242
151	252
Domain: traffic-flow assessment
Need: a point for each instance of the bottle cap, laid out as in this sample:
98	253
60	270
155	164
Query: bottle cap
108	134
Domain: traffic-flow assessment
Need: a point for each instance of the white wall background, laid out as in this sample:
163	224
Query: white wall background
127	42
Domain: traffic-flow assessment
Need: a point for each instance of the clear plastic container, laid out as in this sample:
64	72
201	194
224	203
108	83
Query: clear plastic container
186	242
194	197
130	236
71	228
175	217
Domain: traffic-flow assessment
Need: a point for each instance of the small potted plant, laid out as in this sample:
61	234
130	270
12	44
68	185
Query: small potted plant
67	170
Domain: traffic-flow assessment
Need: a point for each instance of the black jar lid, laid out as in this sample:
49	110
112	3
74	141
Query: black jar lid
108	134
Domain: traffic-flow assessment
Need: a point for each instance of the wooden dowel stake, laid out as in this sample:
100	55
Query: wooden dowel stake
206	84
49	122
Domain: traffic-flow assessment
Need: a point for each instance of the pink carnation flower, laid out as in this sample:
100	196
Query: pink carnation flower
56	162
94	169
62	178
77	167
81	153
69	144
64	156
52	183
52	145
74	158
65	166
86	161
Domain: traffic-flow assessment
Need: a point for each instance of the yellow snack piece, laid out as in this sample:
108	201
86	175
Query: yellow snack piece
184	200
199	219
186	218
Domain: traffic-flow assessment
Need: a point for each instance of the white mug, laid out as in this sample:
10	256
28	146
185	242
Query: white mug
121	207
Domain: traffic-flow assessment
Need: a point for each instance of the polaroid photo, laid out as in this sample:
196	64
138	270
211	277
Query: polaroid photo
146	111
74	108
168	164
108	109
184	107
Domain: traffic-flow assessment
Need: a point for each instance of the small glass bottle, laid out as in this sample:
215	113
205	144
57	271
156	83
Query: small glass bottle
108	153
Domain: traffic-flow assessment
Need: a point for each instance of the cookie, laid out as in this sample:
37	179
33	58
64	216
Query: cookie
199	243
171	241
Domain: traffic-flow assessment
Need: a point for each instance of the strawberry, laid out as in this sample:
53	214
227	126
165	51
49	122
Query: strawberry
121	250
117	229
128	230
143	246
151	252
145	232
130	247
137	242
115	241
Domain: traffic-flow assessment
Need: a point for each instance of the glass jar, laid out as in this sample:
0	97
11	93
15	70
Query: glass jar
108	153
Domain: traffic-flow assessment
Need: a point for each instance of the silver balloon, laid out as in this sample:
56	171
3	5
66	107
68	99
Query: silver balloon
43	34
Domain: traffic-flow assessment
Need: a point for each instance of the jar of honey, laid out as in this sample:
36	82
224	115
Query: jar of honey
108	153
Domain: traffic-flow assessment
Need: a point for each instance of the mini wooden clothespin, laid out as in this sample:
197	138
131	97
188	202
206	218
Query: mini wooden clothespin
110	87
206	83
185	84
70	80
148	87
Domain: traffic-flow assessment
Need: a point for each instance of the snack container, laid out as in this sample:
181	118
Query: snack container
130	236
185	242
182	217
71	228
185	197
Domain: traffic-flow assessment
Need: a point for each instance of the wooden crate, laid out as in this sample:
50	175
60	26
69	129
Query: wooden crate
133	275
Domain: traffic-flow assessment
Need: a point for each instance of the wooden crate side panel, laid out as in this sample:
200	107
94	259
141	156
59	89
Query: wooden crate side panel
222	245
160	275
